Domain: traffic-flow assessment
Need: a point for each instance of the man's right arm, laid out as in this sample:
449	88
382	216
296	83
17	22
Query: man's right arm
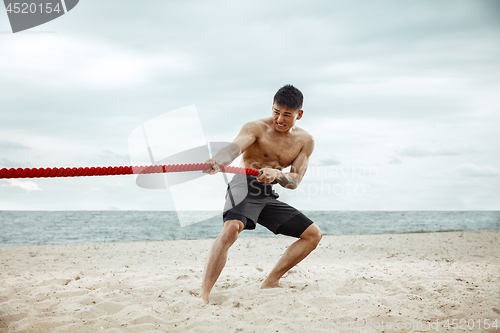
247	136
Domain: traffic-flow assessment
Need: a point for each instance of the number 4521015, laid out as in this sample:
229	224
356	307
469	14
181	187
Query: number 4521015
26	8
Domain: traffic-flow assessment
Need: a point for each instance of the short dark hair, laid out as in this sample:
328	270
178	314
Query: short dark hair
289	97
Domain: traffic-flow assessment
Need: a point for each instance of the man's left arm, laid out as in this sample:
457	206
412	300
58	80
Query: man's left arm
292	179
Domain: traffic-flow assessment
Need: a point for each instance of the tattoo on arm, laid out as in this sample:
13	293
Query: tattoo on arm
287	182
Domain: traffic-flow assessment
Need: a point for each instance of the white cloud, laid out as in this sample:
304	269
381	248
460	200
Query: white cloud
59	61
93	190
27	185
330	161
425	151
12	145
106	153
472	170
394	160
381	84
7	163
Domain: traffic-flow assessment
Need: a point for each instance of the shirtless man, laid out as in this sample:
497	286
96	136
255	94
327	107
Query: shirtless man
269	145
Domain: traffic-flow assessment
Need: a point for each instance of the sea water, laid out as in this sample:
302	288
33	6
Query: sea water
25	228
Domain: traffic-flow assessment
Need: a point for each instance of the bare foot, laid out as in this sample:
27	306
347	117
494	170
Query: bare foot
268	285
205	299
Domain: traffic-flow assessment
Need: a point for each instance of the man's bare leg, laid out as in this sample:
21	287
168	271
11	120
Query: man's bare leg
218	256
293	255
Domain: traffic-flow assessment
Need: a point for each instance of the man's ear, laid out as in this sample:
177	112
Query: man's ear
300	113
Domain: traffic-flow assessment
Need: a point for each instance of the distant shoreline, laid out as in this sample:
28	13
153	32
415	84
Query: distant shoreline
27	228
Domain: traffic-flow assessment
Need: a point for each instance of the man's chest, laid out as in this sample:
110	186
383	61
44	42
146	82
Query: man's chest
280	150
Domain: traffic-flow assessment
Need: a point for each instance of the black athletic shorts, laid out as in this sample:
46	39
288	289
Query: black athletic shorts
251	201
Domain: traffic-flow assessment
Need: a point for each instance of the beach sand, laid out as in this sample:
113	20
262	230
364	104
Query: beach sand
418	278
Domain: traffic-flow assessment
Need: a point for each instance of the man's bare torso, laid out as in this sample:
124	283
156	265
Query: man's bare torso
273	149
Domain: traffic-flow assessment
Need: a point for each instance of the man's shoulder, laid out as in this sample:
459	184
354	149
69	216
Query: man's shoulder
259	122
256	125
304	135
306	139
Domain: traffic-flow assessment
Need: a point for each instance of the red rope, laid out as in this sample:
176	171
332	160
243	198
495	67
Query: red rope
111	171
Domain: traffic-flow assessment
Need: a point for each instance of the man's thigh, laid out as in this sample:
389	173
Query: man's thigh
281	218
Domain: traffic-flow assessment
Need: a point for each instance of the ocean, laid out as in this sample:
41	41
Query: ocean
27	228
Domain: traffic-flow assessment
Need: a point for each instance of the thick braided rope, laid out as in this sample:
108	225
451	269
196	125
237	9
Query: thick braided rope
117	170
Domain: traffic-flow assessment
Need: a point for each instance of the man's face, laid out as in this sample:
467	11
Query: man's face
284	118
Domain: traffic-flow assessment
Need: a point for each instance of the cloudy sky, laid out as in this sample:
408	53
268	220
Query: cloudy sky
403	98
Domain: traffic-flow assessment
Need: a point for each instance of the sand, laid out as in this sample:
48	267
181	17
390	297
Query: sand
364	282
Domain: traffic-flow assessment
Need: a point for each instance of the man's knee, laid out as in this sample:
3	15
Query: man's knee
231	230
312	234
